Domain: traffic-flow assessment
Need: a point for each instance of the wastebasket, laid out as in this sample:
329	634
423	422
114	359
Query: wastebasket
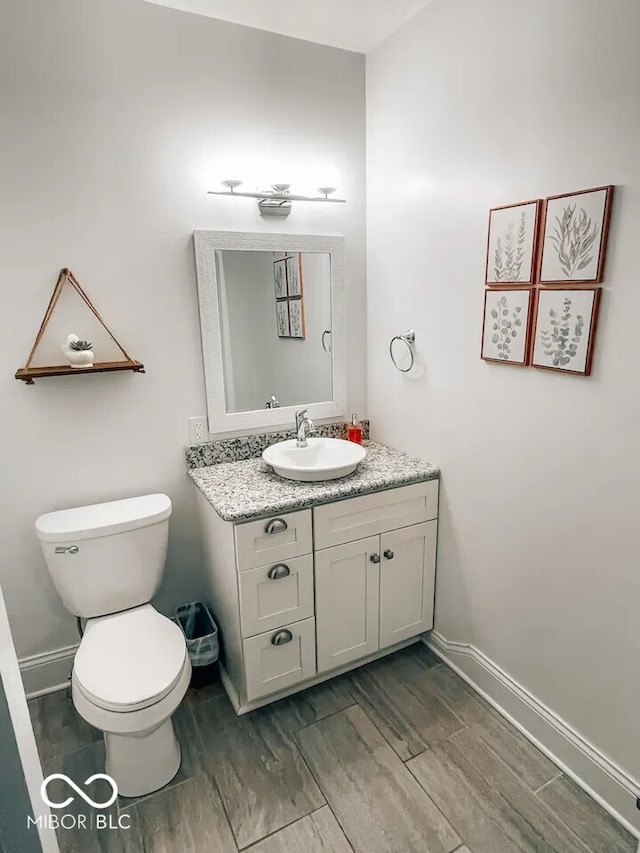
201	634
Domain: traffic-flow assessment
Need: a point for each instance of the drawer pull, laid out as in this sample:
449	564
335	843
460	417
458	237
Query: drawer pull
281	638
279	571
389	554
375	558
276	525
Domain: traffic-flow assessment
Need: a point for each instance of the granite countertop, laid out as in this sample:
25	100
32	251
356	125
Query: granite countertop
248	489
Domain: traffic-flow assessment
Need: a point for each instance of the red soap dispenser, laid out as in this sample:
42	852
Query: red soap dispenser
354	432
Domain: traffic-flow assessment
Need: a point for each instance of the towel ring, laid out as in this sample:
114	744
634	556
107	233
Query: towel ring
408	338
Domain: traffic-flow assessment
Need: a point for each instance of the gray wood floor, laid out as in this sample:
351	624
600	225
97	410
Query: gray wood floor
398	757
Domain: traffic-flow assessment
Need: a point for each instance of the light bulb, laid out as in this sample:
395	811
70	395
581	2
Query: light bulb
327	179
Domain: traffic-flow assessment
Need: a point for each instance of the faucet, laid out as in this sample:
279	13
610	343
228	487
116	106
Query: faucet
272	403
304	427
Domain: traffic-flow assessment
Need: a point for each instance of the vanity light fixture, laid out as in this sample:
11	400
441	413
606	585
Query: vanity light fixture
277	200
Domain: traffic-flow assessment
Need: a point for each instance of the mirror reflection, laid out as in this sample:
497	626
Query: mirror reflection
275	311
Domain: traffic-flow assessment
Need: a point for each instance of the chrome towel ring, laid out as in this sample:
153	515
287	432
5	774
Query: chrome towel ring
408	338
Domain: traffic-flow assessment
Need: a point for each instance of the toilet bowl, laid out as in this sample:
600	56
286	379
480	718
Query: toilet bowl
132	668
130	673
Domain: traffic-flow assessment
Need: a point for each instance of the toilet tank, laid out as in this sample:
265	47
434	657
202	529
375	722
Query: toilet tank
106	557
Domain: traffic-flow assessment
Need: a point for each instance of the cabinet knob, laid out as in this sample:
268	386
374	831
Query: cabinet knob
276	525
280	570
281	638
389	554
375	558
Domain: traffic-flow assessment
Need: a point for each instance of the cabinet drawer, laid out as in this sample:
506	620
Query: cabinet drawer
274	595
271	665
346	521
273	540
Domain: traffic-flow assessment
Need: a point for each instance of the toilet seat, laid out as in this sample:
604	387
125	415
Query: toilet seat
129	660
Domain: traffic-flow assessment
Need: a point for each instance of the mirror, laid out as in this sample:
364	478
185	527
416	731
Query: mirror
272	322
275	315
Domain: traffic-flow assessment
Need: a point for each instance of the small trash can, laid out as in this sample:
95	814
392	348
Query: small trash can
201	634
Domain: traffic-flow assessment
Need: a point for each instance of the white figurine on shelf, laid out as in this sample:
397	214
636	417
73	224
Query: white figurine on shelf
78	352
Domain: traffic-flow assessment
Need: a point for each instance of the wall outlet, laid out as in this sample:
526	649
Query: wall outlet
198	431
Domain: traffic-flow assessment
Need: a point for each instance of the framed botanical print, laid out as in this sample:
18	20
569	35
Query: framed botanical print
282	319
512	244
296	318
280	278
507	326
565	328
294	275
574	237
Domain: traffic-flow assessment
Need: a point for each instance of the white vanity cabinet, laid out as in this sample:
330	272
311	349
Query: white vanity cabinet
302	595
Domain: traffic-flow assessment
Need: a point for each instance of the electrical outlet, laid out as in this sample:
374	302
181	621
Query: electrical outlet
197	430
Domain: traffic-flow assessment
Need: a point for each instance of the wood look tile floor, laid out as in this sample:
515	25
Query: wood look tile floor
400	756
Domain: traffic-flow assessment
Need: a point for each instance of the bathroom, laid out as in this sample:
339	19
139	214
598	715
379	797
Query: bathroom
118	118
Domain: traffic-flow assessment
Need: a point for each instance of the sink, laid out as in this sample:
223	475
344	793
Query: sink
321	459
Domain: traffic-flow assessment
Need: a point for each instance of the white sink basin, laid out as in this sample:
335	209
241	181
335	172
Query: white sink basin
321	459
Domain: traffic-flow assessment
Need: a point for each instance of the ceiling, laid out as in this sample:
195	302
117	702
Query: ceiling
355	25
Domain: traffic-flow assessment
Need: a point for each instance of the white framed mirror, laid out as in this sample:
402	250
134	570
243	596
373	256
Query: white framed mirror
273	325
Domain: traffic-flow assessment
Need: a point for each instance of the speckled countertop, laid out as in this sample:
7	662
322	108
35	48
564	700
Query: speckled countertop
248	489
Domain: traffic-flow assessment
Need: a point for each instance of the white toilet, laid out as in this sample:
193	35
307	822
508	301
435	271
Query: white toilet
132	668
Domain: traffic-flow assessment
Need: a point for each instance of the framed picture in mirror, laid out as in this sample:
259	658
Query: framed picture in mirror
294	275
280	278
282	319
296	319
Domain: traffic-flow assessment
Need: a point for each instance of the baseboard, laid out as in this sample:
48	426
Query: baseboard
594	772
48	672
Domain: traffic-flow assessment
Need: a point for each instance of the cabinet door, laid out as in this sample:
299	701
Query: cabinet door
347	602
407	580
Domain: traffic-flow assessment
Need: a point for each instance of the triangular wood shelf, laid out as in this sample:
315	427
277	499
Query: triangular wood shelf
28	374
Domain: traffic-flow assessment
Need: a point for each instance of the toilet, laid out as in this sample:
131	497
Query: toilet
132	669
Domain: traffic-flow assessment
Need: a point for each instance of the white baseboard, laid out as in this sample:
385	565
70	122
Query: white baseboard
48	672
594	772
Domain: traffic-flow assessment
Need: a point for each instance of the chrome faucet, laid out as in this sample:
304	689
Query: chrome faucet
272	403
304	427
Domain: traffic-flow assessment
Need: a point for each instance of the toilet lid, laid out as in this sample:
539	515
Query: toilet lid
129	660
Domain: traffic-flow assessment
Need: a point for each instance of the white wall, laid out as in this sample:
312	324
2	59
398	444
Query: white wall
114	113
475	104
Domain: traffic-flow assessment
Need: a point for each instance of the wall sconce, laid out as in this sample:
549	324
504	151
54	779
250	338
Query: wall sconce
277	200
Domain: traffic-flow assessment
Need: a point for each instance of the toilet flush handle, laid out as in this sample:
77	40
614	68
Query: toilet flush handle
68	549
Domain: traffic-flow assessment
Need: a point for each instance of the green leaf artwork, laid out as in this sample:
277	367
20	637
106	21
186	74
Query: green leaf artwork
574	239
560	342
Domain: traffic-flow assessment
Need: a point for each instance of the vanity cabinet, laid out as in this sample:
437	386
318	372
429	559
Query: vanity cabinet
304	594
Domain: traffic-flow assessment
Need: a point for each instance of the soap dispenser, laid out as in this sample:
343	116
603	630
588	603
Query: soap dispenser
354	433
